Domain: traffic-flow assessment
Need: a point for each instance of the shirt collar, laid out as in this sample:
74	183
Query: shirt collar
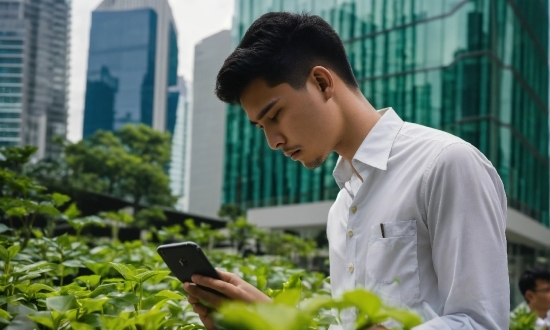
375	149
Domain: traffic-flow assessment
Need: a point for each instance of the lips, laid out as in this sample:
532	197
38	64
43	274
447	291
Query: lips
295	155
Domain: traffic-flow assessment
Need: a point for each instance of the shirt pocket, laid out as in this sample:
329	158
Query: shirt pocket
392	263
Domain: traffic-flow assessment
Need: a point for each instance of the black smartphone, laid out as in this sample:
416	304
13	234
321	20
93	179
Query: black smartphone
185	259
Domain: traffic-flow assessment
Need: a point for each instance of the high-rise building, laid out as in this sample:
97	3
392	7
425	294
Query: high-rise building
477	69
34	49
132	64
180	155
208	127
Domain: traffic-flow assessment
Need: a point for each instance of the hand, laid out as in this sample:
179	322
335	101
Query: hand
232	286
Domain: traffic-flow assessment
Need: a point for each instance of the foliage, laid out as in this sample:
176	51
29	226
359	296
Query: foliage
21	198
231	212
79	282
128	163
522	318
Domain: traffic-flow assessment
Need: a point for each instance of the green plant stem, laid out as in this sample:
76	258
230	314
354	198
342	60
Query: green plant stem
140	295
62	275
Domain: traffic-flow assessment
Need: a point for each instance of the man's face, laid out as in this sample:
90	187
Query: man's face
540	298
302	123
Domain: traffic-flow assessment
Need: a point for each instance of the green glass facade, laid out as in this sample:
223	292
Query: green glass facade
475	68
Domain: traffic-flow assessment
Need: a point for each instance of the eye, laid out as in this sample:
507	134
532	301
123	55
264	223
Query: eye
260	127
276	115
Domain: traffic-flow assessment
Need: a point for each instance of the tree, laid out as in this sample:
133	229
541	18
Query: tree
230	211
128	163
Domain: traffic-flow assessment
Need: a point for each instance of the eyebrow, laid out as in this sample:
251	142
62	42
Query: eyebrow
265	110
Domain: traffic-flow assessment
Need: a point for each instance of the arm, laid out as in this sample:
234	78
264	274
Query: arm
465	209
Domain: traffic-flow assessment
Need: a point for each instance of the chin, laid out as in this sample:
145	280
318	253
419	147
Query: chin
311	165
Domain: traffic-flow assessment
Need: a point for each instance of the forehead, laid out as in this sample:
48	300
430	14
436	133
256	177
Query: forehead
257	94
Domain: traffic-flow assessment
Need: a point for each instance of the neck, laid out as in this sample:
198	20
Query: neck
359	119
540	312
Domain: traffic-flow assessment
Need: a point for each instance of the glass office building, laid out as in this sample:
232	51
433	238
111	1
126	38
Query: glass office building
132	67
477	69
34	51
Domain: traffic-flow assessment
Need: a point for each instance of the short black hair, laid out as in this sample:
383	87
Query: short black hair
283	47
528	280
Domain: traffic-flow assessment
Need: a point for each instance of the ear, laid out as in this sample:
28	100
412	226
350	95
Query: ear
323	80
529	295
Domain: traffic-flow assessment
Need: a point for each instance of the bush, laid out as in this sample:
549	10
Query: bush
79	282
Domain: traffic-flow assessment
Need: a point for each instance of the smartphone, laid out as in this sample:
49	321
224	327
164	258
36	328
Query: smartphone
185	259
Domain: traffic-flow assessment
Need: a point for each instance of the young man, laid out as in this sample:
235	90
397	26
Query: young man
421	214
534	285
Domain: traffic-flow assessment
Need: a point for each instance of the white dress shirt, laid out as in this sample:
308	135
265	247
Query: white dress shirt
443	210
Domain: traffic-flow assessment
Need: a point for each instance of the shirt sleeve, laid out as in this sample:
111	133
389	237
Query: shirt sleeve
465	207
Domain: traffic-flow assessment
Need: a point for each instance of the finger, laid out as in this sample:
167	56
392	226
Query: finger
228	277
201	309
211	298
208	322
228	289
192	299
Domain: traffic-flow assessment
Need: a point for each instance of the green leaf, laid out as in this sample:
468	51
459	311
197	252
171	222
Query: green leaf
93	320
103	289
268	316
37	287
39	267
93	305
288	297
60	199
143	276
81	326
73	264
151	320
47	208
62	303
90	280
125	296
13	250
43	318
152	301
312	306
262	282
170	295
16	212
161	275
367	302
124	270
116	322
5	315
407	318
4	254
294	282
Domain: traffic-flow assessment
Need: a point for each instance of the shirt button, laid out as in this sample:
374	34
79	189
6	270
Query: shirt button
350	268
350	233
353	209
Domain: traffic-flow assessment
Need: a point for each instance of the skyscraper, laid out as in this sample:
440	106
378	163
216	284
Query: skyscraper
34	48
180	155
132	63
477	69
208	127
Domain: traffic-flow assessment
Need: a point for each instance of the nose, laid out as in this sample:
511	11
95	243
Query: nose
274	138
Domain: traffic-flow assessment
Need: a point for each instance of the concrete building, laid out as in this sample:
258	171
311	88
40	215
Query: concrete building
133	61
34	66
208	127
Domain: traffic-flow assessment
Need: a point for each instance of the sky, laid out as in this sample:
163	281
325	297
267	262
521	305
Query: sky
195	20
